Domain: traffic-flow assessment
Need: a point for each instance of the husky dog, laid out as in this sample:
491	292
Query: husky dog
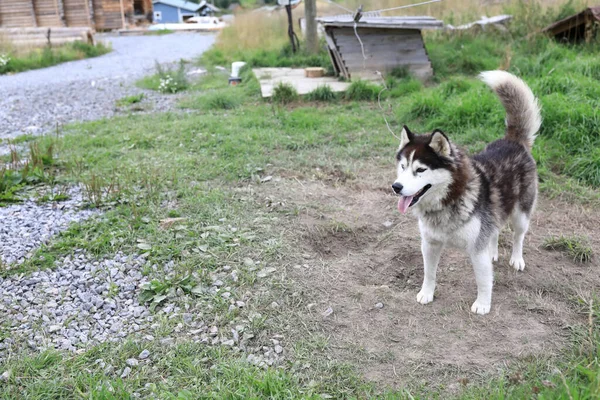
465	201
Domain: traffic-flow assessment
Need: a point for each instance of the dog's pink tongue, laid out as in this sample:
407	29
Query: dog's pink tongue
404	203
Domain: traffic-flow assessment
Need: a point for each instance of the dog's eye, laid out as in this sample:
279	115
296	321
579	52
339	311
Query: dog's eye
403	167
419	170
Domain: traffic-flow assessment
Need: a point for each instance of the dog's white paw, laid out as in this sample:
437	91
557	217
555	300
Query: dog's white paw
517	263
480	308
425	296
495	257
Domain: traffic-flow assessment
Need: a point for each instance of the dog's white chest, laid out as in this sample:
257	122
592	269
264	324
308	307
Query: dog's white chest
462	237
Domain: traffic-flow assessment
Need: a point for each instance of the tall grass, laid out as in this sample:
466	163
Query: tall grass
20	59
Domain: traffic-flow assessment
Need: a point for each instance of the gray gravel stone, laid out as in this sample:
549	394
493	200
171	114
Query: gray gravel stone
67	312
33	102
144	354
132	362
126	372
26	226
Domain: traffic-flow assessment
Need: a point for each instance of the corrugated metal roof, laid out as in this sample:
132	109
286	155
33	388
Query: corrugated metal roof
183	4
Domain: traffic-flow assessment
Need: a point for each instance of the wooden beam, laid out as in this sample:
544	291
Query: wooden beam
92	14
33	17
122	14
86	5
60	11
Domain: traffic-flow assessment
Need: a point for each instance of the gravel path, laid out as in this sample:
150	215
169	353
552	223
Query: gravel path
34	101
86	301
24	227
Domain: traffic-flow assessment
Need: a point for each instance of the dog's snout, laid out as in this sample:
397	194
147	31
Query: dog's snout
397	187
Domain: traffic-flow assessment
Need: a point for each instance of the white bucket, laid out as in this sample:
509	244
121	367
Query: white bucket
235	68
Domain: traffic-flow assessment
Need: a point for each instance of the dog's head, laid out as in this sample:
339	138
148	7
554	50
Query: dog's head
424	166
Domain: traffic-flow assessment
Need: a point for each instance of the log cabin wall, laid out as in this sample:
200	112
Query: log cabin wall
98	14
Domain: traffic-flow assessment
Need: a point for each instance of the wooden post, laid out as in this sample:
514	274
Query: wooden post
60	11
122	14
291	34
310	15
33	17
92	14
87	12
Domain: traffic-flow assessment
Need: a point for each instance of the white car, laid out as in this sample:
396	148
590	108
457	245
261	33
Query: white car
192	24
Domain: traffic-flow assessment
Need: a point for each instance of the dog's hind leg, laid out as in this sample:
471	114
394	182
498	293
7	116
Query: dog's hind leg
432	251
494	246
520	223
484	275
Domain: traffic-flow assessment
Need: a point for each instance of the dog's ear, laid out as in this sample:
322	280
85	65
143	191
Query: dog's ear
405	136
440	144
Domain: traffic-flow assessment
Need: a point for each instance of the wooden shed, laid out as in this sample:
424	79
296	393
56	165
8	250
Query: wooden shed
578	27
388	42
96	14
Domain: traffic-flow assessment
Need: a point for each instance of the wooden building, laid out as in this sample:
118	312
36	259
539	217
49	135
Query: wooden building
388	43
583	26
97	14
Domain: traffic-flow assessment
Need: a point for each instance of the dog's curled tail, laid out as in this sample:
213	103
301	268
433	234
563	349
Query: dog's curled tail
523	118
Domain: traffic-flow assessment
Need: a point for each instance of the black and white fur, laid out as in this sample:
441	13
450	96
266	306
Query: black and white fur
465	201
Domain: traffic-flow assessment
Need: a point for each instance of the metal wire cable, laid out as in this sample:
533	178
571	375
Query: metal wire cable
407	6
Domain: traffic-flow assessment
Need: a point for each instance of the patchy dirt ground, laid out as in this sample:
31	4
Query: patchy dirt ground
359	251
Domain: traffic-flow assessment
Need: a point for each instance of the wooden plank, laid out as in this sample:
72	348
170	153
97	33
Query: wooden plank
387	55
421	71
122	14
333	49
375	31
399	46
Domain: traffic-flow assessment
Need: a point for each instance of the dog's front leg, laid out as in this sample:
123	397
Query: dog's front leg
484	275
432	250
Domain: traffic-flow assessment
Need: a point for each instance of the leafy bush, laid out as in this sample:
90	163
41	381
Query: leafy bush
284	93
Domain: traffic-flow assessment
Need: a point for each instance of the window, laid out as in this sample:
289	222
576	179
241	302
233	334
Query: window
157	16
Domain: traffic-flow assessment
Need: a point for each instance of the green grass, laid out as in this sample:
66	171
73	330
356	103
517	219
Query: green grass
20	139
362	90
216	100
563	77
322	93
268	58
284	93
575	247
159	32
37	167
166	79
129	100
184	371
49	56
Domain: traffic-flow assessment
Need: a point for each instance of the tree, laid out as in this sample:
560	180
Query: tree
310	15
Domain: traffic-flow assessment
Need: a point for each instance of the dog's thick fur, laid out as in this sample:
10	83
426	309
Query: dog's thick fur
465	201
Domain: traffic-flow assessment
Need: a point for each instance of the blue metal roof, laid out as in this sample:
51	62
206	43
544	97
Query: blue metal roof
183	4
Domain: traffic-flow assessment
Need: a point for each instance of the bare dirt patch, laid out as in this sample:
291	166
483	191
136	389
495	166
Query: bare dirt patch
358	251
